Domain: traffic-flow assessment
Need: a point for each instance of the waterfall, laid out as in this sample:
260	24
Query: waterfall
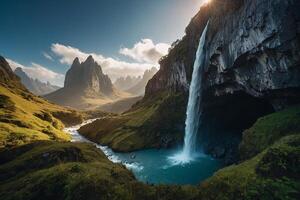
193	113
193	109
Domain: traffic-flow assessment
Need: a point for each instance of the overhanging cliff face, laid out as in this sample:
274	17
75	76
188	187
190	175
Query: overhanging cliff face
252	46
255	50
252	68
252	63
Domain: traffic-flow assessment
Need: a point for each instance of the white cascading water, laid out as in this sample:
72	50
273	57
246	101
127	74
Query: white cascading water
193	113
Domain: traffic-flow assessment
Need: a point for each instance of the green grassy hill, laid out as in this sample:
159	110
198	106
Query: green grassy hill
25	117
153	122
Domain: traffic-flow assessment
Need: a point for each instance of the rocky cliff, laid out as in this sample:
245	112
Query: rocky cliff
252	65
252	46
255	50
85	86
89	78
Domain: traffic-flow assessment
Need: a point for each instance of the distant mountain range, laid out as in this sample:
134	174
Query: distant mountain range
125	83
35	86
135	85
86	87
139	88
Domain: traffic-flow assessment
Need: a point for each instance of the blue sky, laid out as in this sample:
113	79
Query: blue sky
42	35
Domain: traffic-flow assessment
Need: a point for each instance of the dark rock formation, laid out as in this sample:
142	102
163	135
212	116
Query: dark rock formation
252	65
84	81
34	85
255	50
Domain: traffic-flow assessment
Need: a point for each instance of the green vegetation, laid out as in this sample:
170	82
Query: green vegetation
62	170
269	129
51	170
144	126
25	117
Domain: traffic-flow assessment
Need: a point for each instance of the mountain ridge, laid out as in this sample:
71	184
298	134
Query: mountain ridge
35	85
125	83
139	88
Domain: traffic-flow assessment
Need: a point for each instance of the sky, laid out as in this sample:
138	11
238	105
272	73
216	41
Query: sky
124	36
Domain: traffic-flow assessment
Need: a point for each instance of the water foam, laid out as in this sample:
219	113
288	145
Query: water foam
76	137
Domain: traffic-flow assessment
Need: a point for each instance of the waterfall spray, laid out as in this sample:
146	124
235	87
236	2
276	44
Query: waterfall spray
193	113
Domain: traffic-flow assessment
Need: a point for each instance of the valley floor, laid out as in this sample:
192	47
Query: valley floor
62	170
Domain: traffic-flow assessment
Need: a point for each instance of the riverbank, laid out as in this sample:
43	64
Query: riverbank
155	165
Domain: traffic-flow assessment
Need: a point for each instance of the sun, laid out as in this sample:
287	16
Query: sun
206	1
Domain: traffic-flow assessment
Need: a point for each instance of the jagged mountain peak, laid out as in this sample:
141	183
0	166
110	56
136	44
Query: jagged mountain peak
76	62
84	80
90	59
88	76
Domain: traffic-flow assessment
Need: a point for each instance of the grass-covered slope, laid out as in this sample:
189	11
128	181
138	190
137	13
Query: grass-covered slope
269	129
153	122
25	117
51	170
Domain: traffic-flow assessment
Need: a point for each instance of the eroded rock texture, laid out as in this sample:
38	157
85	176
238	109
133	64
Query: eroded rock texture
85	87
255	50
88	77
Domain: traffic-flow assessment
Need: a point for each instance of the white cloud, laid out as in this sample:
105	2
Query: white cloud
40	72
46	55
113	67
146	51
68	53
